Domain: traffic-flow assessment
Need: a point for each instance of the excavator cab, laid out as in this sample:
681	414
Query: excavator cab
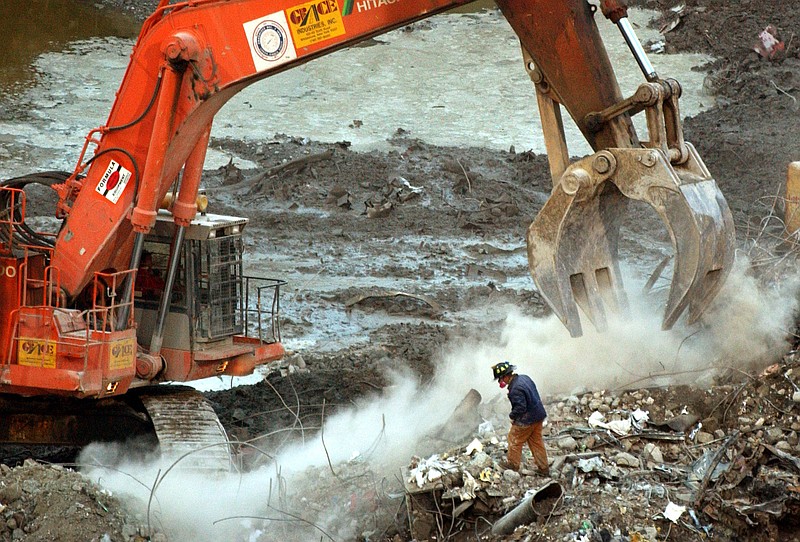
214	309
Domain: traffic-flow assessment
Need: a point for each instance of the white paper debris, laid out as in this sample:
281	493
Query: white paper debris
430	470
620	427
639	418
673	511
467	492
474	446
594	464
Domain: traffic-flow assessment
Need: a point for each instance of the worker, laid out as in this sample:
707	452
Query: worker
149	283
527	417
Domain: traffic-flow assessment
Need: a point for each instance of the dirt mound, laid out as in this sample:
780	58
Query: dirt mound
41	503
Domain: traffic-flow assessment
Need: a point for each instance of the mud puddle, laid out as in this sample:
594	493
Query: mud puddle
454	79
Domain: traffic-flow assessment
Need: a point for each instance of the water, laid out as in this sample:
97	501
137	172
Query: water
439	84
436	82
33	27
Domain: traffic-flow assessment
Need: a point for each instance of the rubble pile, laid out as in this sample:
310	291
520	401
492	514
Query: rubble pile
41	503
674	463
669	463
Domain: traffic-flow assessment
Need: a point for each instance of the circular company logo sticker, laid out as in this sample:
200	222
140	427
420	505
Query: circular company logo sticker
269	40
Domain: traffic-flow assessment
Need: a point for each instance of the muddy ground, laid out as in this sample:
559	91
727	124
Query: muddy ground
447	225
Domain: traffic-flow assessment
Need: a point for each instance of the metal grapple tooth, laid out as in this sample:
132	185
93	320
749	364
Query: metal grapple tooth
572	243
708	215
572	252
687	216
699	223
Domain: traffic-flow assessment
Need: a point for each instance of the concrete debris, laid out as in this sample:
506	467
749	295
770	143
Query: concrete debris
624	459
480	271
500	206
680	423
672	18
595	464
460	425
485	429
487	249
432	307
652	452
474	446
396	191
378	210
401	189
339	195
719	463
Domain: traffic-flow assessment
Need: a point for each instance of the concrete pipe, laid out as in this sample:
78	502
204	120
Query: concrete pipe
527	512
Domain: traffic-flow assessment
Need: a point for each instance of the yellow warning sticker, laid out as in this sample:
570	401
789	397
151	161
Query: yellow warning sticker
36	353
122	354
314	22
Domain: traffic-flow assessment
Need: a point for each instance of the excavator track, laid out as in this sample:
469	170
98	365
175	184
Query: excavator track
187	428
179	417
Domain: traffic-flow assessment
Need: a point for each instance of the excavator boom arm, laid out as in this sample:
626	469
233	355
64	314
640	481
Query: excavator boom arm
191	58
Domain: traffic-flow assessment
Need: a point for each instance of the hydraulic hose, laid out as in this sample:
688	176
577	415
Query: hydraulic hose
11	210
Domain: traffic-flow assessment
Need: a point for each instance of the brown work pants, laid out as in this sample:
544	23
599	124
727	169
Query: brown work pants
532	434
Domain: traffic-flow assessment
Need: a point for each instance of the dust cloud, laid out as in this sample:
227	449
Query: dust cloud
187	505
746	326
380	436
375	439
184	504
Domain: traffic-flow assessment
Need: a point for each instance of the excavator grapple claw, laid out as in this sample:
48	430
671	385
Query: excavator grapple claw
573	242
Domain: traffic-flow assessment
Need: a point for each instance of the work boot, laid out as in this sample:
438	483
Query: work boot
506	465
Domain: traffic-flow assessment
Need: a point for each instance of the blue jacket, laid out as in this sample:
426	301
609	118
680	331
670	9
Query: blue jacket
526	406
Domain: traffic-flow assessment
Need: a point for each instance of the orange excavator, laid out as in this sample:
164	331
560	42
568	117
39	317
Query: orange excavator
127	294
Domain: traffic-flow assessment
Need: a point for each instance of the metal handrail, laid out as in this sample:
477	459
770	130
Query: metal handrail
107	286
97	320
267	321
18	198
